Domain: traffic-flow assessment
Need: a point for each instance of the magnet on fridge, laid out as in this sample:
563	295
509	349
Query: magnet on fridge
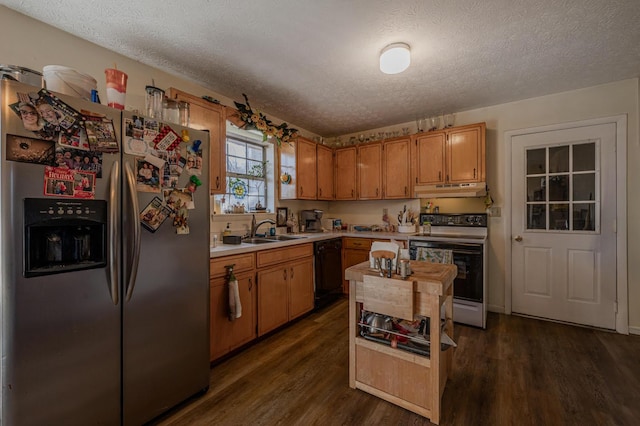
193	184
167	139
185	136
196	146
181	221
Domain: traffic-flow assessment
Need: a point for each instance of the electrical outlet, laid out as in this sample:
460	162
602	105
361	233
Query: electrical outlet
385	211
494	211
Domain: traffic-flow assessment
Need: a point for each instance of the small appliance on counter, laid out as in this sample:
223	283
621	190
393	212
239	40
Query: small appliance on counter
311	219
327	223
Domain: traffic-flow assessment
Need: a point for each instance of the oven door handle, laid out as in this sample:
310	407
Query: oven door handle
454	251
465	252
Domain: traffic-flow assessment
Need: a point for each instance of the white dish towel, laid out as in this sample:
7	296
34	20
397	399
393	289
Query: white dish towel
235	307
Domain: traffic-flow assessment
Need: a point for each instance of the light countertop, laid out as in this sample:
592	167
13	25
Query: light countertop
229	249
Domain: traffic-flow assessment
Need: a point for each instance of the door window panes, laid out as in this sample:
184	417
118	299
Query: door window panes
536	161
536	190
584	186
584	157
559	217
537	216
562	187
583	217
559	188
559	159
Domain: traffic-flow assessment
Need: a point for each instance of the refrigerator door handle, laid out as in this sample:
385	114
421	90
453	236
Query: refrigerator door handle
114	236
133	210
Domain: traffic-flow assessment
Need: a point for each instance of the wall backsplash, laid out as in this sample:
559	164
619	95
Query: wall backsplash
350	212
455	205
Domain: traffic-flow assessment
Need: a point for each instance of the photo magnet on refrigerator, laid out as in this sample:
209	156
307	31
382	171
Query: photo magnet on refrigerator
154	214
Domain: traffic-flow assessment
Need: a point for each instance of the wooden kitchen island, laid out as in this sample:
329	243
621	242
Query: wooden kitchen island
408	379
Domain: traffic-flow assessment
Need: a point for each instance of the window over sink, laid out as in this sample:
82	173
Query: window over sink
249	182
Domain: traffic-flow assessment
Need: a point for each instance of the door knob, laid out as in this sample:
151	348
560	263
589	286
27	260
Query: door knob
518	238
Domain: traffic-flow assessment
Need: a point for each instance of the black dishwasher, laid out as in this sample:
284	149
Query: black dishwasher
328	271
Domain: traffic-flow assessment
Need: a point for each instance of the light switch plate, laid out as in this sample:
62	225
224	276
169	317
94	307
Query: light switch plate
495	211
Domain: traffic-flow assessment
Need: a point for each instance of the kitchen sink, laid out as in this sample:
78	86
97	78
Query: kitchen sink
257	240
283	237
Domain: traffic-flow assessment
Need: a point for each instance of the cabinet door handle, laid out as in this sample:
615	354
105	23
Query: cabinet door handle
217	182
250	284
320	191
352	192
474	173
291	273
301	190
284	274
405	190
376	192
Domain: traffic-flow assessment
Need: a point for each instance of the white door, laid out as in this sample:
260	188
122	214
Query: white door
563	225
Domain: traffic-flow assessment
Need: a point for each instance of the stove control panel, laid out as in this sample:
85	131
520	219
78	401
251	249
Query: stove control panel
463	219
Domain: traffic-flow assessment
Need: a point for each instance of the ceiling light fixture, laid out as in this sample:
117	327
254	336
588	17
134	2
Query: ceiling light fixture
395	58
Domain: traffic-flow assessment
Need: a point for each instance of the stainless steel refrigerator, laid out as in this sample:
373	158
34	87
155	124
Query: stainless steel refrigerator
104	321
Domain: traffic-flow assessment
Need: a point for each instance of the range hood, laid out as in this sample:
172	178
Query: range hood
451	190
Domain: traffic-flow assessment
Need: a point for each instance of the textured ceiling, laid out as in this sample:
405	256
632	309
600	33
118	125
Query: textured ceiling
315	63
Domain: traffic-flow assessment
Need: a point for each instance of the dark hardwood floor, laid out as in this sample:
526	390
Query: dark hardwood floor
519	371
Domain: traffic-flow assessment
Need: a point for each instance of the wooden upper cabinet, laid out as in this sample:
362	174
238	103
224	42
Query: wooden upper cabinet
369	171
205	115
430	158
325	172
455	155
466	154
298	175
396	168
306	164
288	180
345	173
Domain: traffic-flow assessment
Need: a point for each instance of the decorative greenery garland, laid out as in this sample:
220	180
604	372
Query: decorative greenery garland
257	120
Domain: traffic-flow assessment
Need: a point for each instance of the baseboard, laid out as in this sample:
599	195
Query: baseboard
500	310
495	308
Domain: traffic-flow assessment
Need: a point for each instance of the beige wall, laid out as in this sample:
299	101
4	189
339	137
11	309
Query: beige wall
593	102
32	44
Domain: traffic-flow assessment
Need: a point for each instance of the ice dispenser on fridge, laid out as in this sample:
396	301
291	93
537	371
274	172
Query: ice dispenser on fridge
64	235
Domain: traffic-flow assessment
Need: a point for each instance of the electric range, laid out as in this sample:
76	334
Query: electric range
465	236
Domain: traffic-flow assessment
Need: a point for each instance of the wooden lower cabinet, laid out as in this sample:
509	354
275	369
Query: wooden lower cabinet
285	285
285	292
226	335
301	298
354	251
272	298
275	287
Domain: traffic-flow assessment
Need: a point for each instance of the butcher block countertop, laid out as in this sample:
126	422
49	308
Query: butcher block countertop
431	278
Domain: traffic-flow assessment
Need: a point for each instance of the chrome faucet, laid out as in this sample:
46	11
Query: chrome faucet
255	226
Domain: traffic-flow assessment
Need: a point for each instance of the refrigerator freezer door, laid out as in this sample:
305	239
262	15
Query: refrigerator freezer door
60	333
166	314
